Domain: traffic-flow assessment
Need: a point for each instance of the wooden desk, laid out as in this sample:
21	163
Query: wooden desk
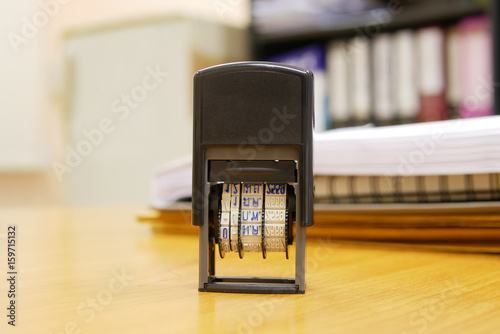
99	271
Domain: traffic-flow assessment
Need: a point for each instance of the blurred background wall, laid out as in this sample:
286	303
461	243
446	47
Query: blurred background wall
95	94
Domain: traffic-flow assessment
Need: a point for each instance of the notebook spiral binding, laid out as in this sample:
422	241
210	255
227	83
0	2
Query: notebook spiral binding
407	189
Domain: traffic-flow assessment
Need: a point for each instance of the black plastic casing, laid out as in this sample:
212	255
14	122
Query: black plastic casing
234	102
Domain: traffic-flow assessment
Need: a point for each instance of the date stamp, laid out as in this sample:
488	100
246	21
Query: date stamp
12	273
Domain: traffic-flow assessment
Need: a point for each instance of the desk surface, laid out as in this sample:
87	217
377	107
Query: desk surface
91	270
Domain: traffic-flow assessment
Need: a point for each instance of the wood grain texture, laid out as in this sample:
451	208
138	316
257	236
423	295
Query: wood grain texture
96	270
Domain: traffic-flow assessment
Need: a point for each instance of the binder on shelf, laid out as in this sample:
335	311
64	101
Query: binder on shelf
476	67
452	72
359	93
338	84
404	86
384	112
430	45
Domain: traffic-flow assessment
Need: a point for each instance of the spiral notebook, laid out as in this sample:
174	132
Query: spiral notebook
407	189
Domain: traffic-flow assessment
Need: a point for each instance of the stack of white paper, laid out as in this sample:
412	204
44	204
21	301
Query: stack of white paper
461	146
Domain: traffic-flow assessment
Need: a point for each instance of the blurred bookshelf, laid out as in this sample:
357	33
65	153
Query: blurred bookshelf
288	31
